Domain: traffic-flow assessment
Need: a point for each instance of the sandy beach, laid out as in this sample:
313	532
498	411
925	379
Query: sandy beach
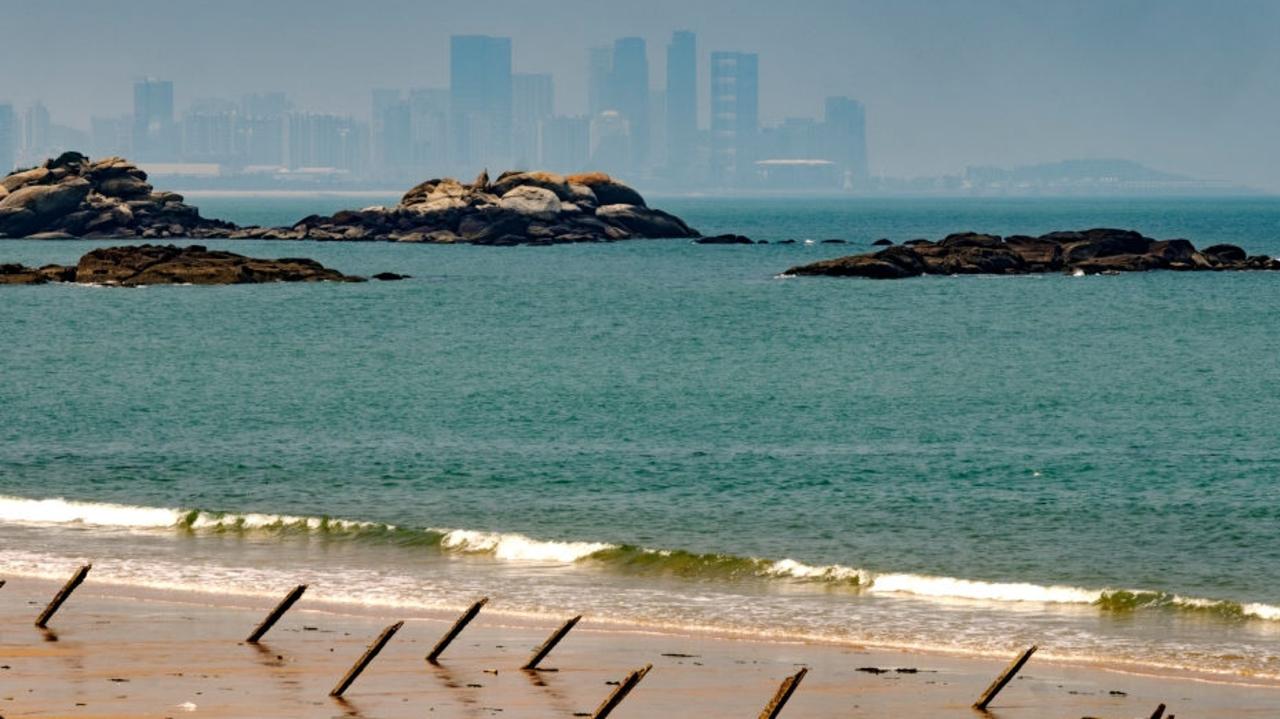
117	652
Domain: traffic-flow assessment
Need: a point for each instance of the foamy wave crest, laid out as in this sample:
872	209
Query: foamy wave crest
952	588
828	573
517	547
20	510
17	510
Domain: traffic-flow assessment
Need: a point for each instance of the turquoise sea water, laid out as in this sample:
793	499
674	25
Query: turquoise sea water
667	433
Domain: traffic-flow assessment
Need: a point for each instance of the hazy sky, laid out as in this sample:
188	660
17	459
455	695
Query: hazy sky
1184	86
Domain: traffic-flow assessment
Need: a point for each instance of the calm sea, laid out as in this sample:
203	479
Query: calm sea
670	434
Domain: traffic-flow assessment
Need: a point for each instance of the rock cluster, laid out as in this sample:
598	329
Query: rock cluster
69	196
1096	251
171	265
518	208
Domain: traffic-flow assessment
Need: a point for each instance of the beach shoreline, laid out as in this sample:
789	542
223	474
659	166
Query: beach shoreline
116	651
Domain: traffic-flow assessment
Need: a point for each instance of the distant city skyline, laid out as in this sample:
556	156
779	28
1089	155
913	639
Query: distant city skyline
1175	85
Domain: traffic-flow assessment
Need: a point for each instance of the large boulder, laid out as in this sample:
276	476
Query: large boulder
36	207
1221	254
644	222
557	184
1099	242
607	190
1039	255
893	263
34	176
533	202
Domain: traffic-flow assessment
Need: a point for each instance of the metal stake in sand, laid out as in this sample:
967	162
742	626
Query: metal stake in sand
541	652
364	659
76	579
1005	677
620	692
774	708
456	629
276	613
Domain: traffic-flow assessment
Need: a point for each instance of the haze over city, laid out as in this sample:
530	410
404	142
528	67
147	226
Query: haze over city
1177	86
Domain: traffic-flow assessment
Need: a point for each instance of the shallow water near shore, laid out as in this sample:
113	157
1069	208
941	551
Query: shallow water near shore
665	433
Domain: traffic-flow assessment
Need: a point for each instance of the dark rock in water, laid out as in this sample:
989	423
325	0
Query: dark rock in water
135	266
835	241
389	276
71	196
882	242
787	242
1096	251
894	263
14	274
1224	253
725	240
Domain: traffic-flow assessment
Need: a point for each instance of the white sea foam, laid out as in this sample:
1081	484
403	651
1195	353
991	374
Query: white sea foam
18	510
517	547
952	588
830	572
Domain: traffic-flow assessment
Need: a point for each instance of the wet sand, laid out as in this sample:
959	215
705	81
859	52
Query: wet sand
117	652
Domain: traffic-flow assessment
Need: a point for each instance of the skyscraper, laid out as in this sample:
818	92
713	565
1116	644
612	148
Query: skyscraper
36	140
429	130
8	138
391	130
532	100
682	100
566	143
735	115
154	136
846	135
480	101
629	88
262	129
599	68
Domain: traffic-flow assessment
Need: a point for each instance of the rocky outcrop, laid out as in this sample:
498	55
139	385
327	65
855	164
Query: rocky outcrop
729	239
140	265
69	196
518	208
1096	251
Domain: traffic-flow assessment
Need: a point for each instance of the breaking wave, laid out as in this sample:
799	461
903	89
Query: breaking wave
513	547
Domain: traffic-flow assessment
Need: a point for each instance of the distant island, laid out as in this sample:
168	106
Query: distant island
1084	252
71	196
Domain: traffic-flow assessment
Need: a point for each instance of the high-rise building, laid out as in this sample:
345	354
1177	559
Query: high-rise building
36	140
735	115
322	141
682	100
566	144
611	143
846	136
480	101
8	138
110	136
532	102
209	132
262	131
599	69
154	133
391	131
629	88
429	130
